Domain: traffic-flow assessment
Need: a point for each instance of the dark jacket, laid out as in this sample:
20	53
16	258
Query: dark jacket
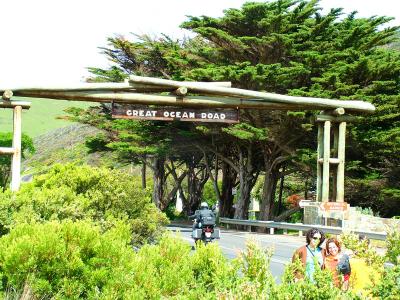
204	215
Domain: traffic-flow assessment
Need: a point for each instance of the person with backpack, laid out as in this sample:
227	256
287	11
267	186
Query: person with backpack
338	263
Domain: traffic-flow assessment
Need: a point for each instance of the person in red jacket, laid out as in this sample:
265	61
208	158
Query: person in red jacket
311	254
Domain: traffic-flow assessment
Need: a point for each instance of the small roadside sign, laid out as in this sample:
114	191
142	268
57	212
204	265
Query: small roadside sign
304	203
334	206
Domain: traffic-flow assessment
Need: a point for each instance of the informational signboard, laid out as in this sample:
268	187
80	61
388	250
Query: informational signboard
304	203
170	113
334	206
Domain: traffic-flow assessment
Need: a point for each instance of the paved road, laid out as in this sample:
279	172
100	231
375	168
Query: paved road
232	242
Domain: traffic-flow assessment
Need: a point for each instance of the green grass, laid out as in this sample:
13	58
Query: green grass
41	117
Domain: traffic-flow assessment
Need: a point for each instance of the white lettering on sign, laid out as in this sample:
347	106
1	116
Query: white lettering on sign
179	114
175	114
213	116
141	113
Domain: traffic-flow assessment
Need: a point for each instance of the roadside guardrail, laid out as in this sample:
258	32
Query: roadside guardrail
299	227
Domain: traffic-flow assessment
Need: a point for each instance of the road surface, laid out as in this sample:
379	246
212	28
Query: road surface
232	242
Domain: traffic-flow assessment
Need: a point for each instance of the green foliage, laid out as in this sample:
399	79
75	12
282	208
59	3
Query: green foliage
244	131
389	288
75	193
67	260
6	140
362	249
209	193
393	245
285	47
77	260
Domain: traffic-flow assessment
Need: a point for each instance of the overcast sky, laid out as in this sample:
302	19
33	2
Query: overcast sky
54	41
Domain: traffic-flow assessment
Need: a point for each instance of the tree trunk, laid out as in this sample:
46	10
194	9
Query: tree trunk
246	183
159	180
269	188
177	186
143	174
197	178
286	214
229	175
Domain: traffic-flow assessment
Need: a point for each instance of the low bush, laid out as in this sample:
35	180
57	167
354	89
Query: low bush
393	246
66	260
82	192
76	260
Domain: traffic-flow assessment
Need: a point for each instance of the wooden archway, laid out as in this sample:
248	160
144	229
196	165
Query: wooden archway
154	91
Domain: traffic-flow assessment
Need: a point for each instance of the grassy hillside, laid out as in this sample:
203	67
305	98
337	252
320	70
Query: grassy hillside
64	145
41	117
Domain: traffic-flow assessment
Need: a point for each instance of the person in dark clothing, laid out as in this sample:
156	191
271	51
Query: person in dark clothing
203	216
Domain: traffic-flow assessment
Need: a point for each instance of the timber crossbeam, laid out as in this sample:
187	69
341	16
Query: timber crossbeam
156	91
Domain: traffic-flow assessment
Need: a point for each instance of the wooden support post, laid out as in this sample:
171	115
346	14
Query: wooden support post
335	130
320	152
16	157
325	167
340	167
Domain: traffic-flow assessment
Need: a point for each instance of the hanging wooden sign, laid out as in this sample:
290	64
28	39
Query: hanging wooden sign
334	206
171	113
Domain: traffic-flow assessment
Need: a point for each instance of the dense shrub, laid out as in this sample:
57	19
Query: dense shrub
82	192
393	246
76	260
66	260
389	288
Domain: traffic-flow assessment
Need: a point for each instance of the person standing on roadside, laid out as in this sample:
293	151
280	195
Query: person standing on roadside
311	254
338	263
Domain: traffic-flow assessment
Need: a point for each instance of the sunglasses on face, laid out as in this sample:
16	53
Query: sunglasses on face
316	238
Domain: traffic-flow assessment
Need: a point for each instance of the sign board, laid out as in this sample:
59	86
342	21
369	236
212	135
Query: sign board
334	206
304	203
171	113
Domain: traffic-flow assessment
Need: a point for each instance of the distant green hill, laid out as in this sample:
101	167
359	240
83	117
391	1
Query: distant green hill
41	117
67	145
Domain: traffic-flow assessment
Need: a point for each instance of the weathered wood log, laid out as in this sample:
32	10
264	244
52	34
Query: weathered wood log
341	158
335	112
7	94
181	91
6	150
12	104
338	119
154	99
135	98
16	144
107	86
334	161
325	165
357	106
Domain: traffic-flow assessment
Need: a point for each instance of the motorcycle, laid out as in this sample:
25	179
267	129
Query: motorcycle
205	233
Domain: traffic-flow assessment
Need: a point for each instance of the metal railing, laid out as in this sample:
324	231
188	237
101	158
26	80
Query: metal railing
300	227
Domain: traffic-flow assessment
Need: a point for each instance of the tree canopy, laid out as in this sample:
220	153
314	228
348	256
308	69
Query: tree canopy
286	47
